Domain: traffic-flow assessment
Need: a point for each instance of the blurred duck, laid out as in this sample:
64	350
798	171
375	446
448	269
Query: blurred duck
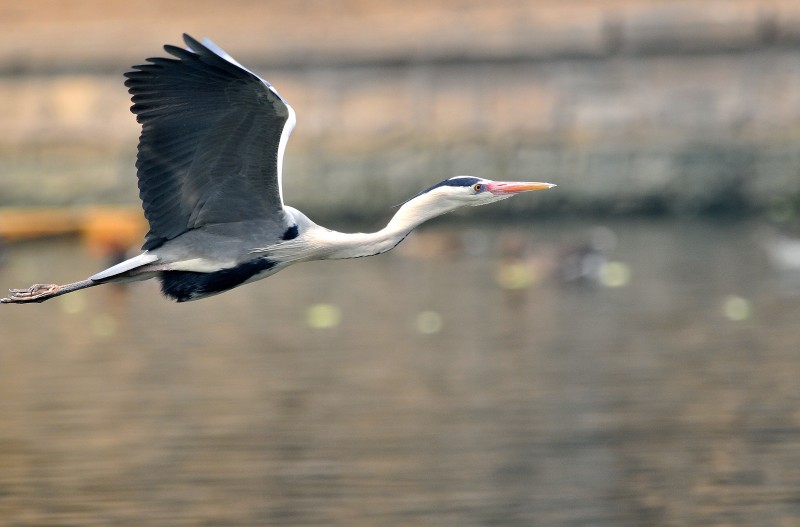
583	263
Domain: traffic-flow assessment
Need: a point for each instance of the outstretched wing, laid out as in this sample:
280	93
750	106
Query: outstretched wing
212	141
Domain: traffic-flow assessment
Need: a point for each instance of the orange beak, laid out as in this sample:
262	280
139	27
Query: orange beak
499	188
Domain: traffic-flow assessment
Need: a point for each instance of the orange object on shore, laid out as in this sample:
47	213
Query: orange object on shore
102	227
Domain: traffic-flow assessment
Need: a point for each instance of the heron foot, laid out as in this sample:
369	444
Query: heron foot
35	293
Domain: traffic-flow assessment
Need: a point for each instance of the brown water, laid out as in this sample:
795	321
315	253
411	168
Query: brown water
442	384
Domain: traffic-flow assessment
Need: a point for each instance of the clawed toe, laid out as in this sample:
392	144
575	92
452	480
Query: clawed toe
35	293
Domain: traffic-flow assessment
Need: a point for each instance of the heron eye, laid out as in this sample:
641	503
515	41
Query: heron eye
478	187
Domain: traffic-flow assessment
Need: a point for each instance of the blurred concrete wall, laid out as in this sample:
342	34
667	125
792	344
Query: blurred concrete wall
628	105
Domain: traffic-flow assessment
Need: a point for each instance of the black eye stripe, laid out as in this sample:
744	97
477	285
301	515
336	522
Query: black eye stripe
454	182
460	182
464	181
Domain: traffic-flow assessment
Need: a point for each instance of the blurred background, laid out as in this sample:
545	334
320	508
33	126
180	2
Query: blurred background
622	350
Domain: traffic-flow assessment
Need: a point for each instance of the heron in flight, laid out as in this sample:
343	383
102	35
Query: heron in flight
209	168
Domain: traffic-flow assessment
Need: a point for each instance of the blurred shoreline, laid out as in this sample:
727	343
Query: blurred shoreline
630	106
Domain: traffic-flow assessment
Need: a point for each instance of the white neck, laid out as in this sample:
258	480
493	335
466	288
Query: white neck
410	215
319	243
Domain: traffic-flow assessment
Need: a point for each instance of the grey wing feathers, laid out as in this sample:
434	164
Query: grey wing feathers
209	147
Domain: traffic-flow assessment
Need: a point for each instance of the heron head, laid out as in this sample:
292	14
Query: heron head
454	193
461	191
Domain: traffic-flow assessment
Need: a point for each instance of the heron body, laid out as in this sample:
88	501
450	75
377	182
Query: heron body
209	167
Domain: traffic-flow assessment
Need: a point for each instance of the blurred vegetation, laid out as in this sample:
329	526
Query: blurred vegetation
630	106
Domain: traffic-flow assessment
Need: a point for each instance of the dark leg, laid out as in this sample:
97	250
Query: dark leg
42	292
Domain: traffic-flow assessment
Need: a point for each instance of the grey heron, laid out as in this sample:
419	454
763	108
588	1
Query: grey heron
209	168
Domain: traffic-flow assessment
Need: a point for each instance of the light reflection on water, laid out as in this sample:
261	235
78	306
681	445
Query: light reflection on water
429	395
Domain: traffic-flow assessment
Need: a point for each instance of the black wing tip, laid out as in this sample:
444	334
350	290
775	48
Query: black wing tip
198	48
175	51
193	43
210	57
155	64
195	49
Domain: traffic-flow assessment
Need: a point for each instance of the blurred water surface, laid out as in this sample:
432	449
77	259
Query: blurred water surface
454	381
